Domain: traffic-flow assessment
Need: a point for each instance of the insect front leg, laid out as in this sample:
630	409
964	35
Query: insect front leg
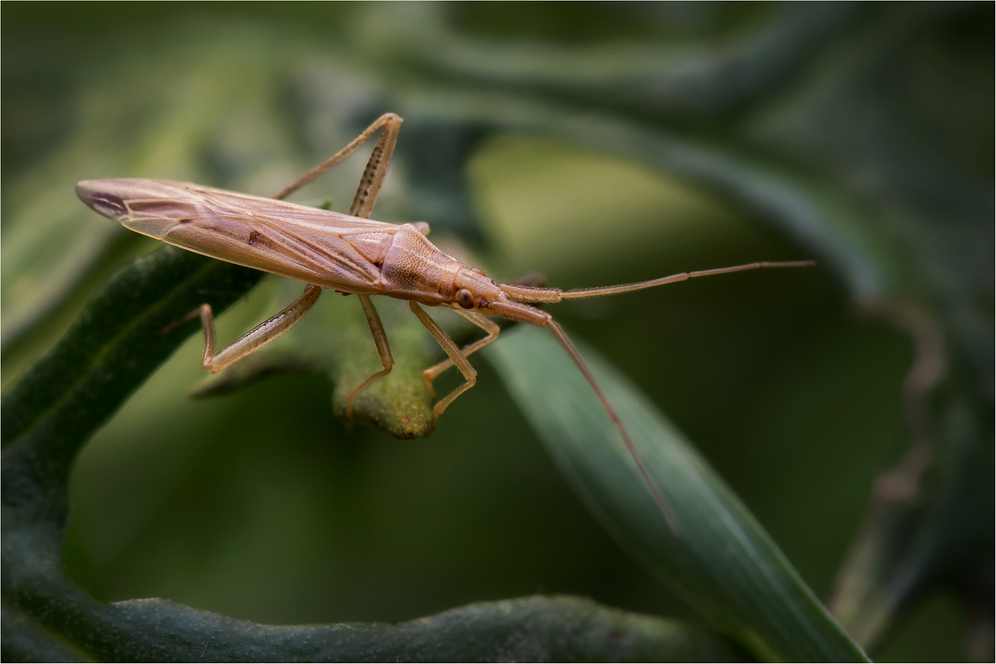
456	356
383	349
481	321
255	338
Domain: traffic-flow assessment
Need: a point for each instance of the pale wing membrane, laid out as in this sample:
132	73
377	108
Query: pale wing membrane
299	215
283	238
331	263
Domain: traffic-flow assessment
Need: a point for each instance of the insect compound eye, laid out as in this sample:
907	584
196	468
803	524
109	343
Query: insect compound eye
465	299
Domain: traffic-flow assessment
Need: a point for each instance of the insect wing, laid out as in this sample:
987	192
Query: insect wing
284	238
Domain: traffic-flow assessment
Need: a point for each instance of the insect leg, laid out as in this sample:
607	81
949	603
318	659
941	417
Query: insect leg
528	314
376	169
456	356
481	321
255	338
390	120
380	339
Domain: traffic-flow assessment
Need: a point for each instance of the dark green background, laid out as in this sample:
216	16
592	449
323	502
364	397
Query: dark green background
261	506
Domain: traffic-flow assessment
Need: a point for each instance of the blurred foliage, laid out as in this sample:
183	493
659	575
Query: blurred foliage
849	408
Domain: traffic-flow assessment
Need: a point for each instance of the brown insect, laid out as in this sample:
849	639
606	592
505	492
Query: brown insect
348	253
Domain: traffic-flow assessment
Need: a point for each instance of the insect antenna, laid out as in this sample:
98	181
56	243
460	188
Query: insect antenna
577	293
552	295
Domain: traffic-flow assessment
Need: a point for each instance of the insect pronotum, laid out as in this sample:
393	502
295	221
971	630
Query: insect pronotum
349	253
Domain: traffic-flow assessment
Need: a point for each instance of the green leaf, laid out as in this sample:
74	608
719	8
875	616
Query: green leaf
861	132
541	629
721	560
25	640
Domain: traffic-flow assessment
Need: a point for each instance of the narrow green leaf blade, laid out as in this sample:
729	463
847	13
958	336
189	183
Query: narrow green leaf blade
722	562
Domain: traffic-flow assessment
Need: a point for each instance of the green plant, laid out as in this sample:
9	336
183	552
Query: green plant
833	126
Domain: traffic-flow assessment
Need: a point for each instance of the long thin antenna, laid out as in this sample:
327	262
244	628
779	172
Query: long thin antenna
577	293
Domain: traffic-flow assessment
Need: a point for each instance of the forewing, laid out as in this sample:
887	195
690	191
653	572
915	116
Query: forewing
275	236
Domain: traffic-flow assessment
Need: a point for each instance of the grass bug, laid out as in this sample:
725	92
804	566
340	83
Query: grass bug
352	254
